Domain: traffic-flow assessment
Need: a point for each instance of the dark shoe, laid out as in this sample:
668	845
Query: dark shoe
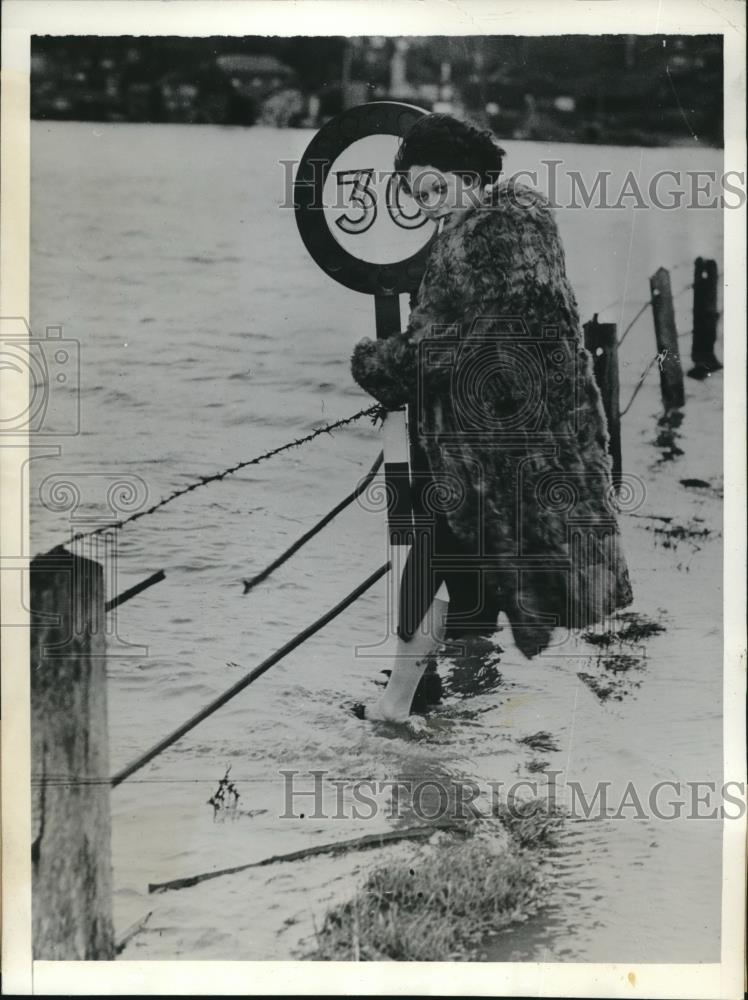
430	689
704	366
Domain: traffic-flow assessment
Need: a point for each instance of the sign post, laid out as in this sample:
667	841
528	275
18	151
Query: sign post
364	230
396	465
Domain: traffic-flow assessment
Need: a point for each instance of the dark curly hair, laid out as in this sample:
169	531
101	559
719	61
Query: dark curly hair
452	146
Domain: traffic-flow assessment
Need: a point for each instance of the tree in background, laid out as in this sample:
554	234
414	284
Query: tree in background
609	88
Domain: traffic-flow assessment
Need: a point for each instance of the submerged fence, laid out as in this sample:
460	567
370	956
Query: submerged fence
71	780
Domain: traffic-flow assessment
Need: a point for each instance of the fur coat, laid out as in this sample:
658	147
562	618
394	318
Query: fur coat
507	412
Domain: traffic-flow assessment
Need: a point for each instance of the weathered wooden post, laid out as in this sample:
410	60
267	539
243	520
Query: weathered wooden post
70	851
601	341
705	317
666	334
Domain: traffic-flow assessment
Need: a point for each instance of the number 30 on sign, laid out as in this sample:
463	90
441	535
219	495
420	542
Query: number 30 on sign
353	214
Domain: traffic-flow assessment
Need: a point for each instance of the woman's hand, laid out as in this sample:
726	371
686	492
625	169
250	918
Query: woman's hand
363	357
386	369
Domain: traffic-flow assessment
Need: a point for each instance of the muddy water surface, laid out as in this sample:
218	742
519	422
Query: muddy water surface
208	336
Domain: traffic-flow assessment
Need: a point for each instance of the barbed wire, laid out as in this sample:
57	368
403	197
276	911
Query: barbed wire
375	412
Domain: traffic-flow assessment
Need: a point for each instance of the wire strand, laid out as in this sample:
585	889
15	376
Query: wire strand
374	411
249	678
642	379
621	299
641	312
252	582
644	308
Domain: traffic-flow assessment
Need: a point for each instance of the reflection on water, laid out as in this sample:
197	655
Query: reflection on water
207	336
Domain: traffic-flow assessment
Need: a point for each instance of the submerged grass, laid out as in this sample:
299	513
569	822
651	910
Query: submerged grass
437	907
530	823
543	741
443	903
635	629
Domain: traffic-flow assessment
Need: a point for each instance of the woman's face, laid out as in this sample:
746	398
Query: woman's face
438	193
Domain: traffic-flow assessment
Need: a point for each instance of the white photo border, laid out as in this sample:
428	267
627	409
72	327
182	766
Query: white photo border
24	18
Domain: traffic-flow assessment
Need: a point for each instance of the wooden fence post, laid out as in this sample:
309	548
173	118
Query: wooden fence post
601	341
71	850
705	317
671	373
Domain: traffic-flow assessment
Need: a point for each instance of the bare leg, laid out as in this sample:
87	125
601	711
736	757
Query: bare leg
410	661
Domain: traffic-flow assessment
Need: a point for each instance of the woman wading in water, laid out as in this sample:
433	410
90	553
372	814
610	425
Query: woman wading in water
518	512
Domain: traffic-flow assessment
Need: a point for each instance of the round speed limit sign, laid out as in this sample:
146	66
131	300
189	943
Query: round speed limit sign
354	216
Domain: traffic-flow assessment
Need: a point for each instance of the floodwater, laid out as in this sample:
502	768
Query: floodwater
207	336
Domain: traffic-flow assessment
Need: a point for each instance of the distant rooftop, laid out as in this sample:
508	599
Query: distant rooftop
254	65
